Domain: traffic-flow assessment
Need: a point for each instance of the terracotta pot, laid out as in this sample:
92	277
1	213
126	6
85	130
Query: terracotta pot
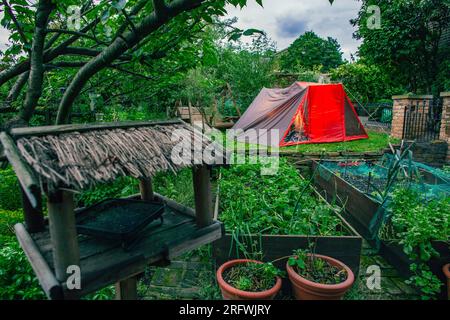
446	270
231	293
308	290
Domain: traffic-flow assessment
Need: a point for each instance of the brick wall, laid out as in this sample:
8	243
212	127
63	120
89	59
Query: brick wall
398	111
445	122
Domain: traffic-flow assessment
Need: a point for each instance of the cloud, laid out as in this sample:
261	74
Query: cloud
285	20
288	28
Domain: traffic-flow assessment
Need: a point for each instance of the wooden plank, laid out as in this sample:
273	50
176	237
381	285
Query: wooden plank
27	179
202	195
34	217
44	274
359	207
60	129
127	289
63	232
146	188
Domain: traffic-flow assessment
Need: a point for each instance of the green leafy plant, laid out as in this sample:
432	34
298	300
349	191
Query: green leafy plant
279	204
415	222
315	269
17	279
251	276
10	198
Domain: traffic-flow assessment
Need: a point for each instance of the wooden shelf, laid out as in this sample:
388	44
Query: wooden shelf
105	262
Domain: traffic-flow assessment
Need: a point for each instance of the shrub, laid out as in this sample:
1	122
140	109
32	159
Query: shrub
10	197
17	280
8	219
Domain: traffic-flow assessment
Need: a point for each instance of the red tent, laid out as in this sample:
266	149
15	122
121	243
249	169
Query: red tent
303	113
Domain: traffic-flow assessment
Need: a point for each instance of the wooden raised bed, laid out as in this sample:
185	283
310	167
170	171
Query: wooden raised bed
344	248
359	212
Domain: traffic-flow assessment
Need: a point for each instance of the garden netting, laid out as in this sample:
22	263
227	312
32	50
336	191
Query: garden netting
378	179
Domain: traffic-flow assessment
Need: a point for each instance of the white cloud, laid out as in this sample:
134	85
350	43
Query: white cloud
285	20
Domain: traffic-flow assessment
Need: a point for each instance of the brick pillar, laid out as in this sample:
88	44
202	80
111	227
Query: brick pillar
398	111
445	122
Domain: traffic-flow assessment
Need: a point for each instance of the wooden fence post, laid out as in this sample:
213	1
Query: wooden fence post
63	232
202	195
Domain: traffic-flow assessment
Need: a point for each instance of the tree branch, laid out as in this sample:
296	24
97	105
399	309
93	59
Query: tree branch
49	55
119	46
8	10
17	87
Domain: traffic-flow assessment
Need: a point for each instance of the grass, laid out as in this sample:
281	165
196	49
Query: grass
377	141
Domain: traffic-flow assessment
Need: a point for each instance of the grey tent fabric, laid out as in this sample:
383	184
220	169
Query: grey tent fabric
272	108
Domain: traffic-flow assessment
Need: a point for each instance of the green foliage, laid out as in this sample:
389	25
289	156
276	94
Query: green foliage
268	204
416	222
178	187
316	269
10	197
8	219
365	82
252	277
407	46
120	188
17	280
310	51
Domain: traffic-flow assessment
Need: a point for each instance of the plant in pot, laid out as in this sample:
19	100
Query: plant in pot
248	278
318	277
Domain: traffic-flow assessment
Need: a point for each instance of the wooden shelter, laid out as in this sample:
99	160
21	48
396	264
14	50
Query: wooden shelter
58	160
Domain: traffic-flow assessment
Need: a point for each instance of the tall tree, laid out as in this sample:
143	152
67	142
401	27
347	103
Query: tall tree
407	46
113	35
309	52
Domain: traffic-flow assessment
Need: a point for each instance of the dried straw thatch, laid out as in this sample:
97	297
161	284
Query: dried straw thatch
80	160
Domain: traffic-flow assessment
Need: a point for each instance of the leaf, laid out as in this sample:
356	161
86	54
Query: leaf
119	4
250	32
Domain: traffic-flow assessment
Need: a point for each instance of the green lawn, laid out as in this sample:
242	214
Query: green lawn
376	142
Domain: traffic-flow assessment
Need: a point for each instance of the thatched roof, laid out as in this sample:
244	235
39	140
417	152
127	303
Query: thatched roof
81	159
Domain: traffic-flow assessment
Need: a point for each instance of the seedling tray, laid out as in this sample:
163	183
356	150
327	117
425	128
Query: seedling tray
118	219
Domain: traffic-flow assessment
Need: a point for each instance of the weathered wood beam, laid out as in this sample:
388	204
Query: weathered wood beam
27	179
63	232
127	289
60	129
34	217
146	188
44	274
202	195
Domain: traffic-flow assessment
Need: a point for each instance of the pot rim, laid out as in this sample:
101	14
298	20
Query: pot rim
246	294
339	286
446	270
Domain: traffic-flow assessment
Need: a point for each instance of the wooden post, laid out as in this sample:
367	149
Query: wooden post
202	195
146	188
190	111
34	218
63	232
127	289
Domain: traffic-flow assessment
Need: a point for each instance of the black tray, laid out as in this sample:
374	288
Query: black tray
118	219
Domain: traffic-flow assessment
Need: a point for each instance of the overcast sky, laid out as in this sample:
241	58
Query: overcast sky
285	20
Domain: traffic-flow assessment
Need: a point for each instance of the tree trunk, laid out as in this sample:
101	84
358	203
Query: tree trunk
36	76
